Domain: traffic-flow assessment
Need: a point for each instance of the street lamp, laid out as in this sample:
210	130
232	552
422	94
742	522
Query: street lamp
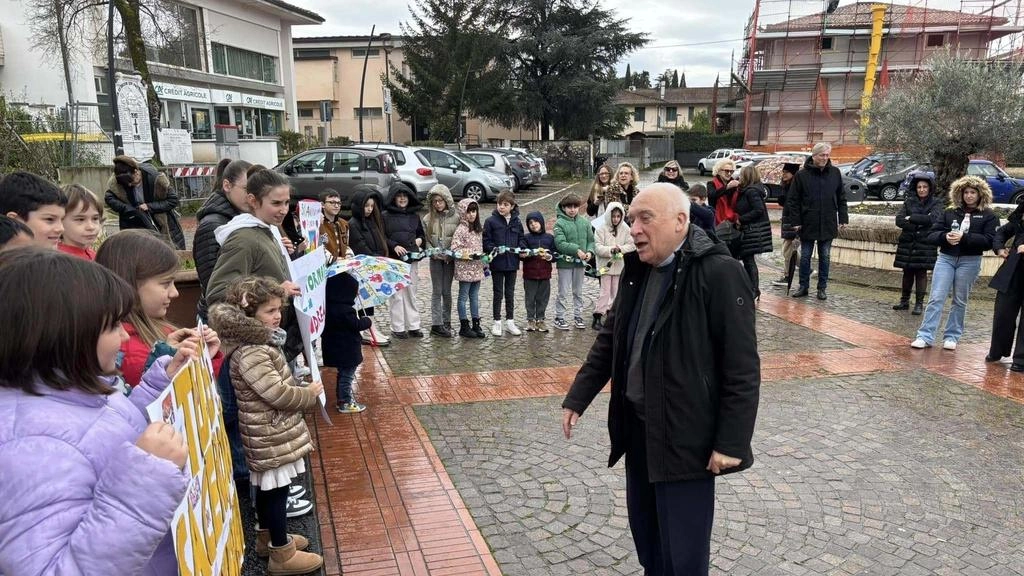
362	83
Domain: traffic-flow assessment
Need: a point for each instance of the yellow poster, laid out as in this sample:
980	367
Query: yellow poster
207	526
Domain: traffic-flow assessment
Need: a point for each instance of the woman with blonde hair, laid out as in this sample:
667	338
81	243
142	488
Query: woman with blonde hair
752	216
626	184
719	185
598	201
673	174
963	233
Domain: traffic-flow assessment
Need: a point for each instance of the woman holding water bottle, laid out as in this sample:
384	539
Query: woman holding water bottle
963	233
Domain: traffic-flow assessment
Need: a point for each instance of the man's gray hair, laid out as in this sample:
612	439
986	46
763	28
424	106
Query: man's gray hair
821	147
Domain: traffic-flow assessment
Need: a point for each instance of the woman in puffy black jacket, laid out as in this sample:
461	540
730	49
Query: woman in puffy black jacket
914	253
366	236
755	227
1009	284
404	231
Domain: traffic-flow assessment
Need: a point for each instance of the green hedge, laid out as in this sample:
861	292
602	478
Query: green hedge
689	141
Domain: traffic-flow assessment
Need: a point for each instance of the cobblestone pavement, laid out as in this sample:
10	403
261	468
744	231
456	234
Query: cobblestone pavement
874	474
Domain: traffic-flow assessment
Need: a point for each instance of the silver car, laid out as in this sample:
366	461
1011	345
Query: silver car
413	170
464	176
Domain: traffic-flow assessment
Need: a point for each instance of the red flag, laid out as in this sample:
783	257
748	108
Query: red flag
883	77
823	97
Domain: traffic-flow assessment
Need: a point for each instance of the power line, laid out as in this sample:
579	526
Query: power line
692	44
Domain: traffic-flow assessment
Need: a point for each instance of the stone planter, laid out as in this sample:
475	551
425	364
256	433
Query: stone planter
870	242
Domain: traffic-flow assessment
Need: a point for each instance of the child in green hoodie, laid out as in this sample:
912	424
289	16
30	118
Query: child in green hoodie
574	238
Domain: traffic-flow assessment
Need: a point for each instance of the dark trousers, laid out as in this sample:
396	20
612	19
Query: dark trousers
1004	319
504	284
670	521
272	513
913	276
538	292
229	405
750	265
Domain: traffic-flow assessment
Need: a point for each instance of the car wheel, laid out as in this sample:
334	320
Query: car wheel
889	193
700	168
516	185
1017	198
474	192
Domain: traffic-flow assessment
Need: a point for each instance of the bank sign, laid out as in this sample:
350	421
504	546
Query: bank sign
267	102
181	93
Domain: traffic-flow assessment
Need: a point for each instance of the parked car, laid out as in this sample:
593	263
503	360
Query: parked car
883	173
707	163
521	163
508	164
536	158
1005	188
340	168
464	176
414	169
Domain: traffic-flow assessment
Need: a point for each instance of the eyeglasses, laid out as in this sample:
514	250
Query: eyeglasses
729	170
671	169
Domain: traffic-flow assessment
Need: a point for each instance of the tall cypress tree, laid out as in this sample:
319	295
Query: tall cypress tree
628	78
675	78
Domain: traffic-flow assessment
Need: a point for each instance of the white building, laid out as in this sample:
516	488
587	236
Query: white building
231	65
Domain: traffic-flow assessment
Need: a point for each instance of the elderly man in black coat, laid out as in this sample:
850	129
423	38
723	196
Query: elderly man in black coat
680	349
818	212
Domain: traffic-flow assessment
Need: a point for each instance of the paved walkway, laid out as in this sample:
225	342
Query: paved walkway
871	457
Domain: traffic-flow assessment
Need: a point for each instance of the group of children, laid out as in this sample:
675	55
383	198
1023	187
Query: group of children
79	382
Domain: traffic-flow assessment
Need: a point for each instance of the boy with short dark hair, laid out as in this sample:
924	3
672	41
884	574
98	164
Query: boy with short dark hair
14	234
37	203
700	213
502	229
574	241
537	272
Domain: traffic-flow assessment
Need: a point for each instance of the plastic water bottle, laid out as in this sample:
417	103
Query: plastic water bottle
954	227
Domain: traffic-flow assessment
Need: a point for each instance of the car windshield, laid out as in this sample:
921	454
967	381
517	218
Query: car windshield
467	159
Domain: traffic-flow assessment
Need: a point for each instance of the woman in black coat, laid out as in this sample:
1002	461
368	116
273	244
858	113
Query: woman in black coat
366	236
914	253
755	227
1009	283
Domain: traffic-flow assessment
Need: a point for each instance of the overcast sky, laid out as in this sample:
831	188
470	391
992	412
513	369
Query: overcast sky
697	37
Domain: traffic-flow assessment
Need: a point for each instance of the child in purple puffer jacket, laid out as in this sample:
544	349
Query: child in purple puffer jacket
88	485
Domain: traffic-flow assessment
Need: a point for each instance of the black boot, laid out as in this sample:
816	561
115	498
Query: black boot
597	323
465	331
904	303
477	329
918	305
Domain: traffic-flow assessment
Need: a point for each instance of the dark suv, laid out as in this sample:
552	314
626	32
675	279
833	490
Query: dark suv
883	173
342	169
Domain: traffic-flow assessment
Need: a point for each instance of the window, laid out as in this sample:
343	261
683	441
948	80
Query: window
983	170
935	41
826	43
484	160
312	53
345	162
639	114
305	112
399	157
368	113
361	53
312	163
270	122
689	112
172	33
671	115
231	61
373	164
102	87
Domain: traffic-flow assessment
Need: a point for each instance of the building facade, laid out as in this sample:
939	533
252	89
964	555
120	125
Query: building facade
657	112
330	69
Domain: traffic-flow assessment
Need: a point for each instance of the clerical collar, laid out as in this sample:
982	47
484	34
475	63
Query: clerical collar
672	256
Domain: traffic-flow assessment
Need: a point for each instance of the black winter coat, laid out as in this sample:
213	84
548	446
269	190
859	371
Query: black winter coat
216	212
402	226
364	235
498	232
977	239
1013	229
819	201
340	341
916	219
701	366
786	223
158	195
754	223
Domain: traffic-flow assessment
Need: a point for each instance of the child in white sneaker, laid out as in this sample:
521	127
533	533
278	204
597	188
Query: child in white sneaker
502	229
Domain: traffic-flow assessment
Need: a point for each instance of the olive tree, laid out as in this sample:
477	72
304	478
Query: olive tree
955	108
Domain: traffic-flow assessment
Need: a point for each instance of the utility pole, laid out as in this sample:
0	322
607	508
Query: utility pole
458	113
362	83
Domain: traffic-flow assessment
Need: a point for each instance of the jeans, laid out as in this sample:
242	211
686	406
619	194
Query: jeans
824	259
345	378
229	405
469	291
569	280
504	284
951	272
538	292
404	313
442	274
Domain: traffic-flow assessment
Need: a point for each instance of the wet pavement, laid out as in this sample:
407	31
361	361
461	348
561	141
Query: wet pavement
871	457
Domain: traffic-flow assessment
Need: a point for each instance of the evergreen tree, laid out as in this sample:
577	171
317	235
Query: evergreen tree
682	80
628	79
675	79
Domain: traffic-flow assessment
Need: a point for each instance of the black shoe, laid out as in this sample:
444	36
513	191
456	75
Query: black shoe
800	293
918	309
596	324
400	335
465	331
1016	367
903	305
415	334
477	329
821	294
440	330
991	358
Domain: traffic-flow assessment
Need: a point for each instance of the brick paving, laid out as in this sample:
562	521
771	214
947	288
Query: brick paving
872	458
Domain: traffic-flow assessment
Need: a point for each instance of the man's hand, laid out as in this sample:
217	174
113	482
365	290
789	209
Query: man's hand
569	419
719	462
144	207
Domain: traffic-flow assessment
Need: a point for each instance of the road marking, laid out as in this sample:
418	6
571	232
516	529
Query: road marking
548	195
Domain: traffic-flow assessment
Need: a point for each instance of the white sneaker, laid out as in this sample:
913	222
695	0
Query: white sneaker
949	345
496	329
514	330
298	507
919	343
